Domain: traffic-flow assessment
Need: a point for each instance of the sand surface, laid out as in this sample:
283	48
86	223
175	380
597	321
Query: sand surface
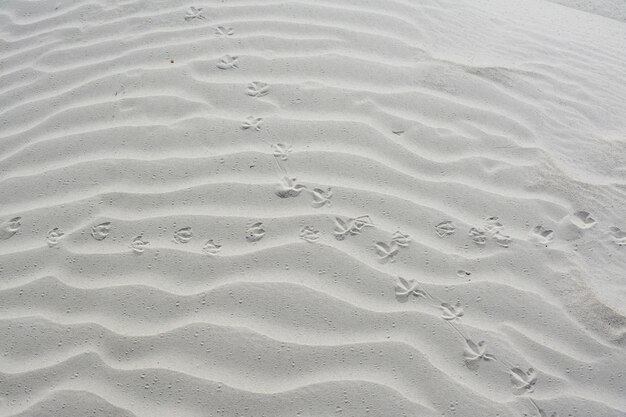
257	208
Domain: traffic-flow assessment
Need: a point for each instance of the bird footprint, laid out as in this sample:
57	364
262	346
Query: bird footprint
445	228
452	312
54	236
502	239
309	234
255	232
541	412
281	150
493	228
492	225
478	236
542	235
257	89
405	288
101	231
10	227
321	198
252	123
386	253
138	245
354	226
211	248
583	220
194	13
223	31
619	236
523	381
228	62
476	351
289	188
401	239
183	235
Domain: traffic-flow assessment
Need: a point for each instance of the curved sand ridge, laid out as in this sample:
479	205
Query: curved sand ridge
301	208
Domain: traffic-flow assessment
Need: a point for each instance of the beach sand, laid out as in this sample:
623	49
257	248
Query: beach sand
257	208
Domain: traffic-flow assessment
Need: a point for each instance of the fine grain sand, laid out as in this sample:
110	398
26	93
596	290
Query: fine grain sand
262	208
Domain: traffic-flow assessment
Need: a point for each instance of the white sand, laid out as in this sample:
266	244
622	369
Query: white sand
313	208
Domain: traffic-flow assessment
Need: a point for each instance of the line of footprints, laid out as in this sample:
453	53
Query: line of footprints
523	381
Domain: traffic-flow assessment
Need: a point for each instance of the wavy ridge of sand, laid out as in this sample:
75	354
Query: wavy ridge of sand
247	208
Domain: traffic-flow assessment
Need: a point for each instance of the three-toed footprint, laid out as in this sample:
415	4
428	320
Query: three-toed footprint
194	13
257	89
183	235
452	312
542	235
138	245
289	187
255	232
224	31
618	235
445	228
211	248
408	287
252	122
321	197
228	62
308	234
281	150
474	352
10	227
101	231
54	236
353	226
523	381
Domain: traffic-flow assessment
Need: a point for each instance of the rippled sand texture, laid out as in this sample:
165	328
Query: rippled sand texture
312	208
